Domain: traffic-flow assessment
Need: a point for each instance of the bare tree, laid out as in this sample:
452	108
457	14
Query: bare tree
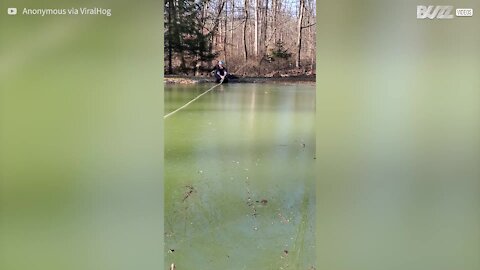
299	34
225	26
170	36
232	22
256	28
245	30
275	8
265	28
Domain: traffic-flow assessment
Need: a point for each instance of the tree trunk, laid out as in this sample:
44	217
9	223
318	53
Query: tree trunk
265	28
256	28
275	7
245	31
312	36
170	36
232	22
299	34
225	24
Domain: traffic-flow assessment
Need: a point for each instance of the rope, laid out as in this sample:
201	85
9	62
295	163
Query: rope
190	102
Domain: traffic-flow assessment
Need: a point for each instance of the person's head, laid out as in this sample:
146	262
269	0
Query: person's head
221	63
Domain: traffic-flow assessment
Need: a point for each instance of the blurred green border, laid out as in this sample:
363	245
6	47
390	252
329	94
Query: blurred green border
398	137
81	137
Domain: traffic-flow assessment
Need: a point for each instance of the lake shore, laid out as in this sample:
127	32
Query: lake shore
179	79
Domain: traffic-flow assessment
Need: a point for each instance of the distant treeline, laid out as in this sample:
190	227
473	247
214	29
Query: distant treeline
251	36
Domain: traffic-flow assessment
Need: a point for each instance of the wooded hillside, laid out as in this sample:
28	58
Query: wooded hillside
253	37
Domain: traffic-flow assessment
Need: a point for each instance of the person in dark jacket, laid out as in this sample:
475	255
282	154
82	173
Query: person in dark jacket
221	73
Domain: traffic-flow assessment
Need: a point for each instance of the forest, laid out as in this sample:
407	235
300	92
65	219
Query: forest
254	37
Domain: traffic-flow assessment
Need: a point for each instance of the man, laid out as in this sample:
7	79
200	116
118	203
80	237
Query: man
220	72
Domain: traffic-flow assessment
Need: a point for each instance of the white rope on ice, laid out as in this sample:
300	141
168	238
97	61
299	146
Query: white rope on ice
190	102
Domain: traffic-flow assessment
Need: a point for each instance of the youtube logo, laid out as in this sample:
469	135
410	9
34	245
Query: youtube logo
12	11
